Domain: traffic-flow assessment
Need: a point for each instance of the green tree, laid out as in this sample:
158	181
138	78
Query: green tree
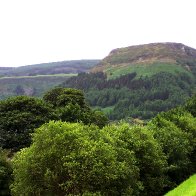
70	106
59	97
175	131
74	159
19	116
148	154
190	106
5	174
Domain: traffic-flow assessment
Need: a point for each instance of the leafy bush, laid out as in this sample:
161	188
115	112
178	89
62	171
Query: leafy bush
176	133
150	159
70	106
74	159
19	116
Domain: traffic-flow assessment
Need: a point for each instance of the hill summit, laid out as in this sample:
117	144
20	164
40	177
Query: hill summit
141	58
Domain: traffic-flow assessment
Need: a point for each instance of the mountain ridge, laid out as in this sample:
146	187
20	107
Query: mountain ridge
66	67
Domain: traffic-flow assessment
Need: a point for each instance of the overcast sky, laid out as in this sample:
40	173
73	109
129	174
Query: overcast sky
36	31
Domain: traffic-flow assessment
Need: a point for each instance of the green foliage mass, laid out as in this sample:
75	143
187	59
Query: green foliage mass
119	159
175	131
19	116
62	96
190	105
5	174
73	159
150	159
70	106
129	96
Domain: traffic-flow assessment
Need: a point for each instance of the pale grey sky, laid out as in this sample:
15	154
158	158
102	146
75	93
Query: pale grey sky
36	31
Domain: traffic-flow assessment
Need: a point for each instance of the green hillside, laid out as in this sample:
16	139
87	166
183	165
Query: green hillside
146	69
187	188
34	80
140	81
148	60
30	85
66	67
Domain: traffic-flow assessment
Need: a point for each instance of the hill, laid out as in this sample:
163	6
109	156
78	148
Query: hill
66	67
34	80
140	81
148	59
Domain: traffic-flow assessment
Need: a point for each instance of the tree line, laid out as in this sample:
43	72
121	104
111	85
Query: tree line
130	96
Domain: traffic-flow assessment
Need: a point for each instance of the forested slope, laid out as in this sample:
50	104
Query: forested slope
140	81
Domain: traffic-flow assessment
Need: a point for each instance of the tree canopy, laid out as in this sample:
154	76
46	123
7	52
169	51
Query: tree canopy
19	116
5	174
76	159
73	159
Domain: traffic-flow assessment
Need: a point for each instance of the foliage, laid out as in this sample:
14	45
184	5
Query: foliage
129	96
5	174
187	188
118	159
19	116
70	106
59	97
149	156
175	131
74	159
190	105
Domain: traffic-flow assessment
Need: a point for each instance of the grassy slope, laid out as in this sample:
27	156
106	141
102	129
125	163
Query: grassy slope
187	188
148	59
145	69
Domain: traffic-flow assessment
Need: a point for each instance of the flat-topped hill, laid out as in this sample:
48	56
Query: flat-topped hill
148	59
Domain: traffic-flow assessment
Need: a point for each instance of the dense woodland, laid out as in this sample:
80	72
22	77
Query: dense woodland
59	146
130	96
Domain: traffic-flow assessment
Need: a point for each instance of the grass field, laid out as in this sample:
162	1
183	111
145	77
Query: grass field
187	188
145	70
